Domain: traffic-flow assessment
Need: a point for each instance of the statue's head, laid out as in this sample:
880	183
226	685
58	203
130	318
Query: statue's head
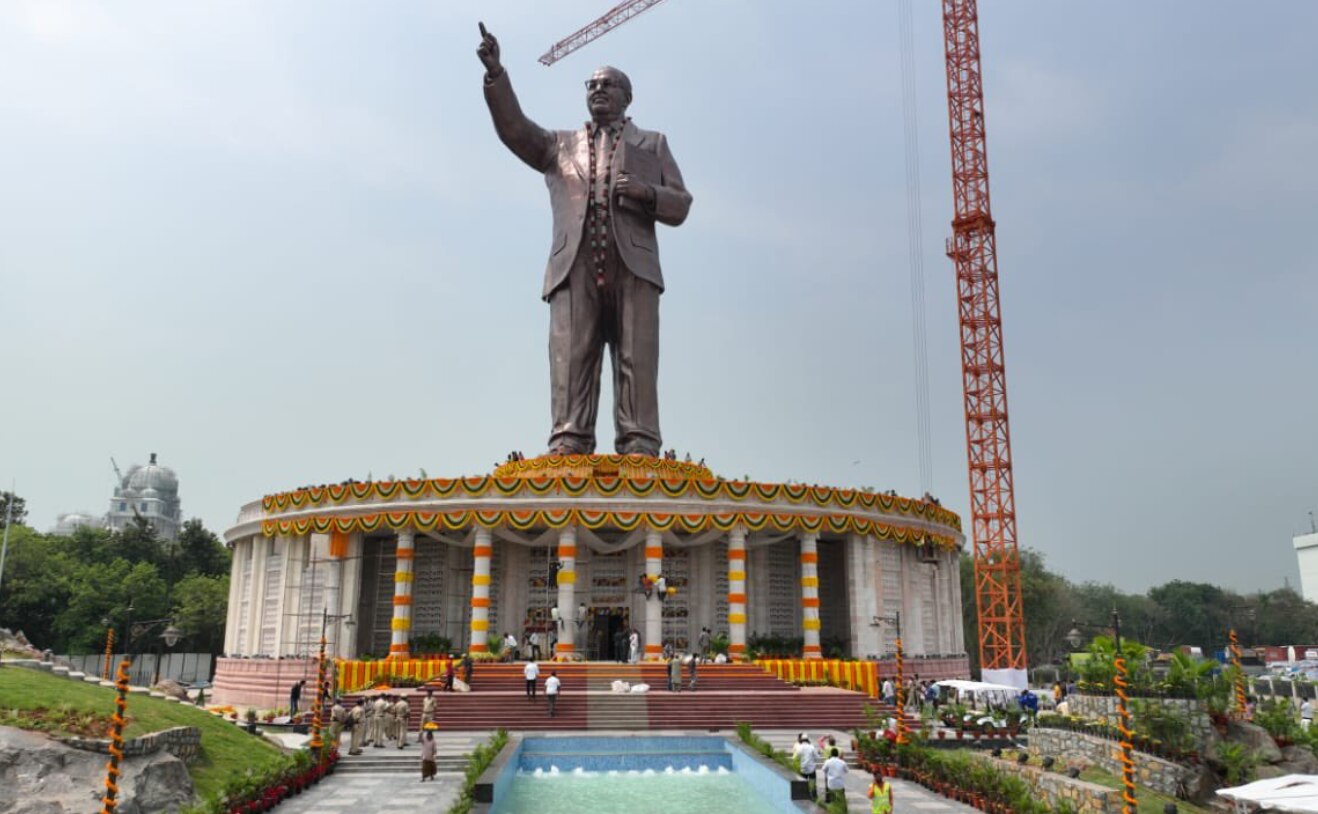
608	93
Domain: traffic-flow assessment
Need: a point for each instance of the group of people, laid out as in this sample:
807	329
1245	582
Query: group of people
825	757
530	647
385	719
531	672
373	722
675	672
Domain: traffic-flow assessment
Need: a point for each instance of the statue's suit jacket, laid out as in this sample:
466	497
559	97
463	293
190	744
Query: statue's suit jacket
564	158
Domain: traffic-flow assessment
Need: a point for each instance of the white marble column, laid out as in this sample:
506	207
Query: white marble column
567	592
256	591
334	593
810	595
482	552
241	550
737	593
401	625
350	588
654	606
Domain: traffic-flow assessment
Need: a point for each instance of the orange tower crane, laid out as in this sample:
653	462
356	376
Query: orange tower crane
973	249
611	19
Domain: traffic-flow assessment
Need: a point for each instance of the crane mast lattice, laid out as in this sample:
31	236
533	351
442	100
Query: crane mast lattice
973	250
615	17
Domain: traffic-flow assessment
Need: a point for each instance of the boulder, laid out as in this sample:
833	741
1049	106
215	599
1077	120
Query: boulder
39	775
1256	739
171	688
1269	771
1299	759
18	644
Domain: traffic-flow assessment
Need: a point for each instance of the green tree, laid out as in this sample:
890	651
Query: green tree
35	585
200	607
19	508
201	551
1193	613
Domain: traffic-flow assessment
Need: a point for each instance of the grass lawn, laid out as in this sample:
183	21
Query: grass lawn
225	749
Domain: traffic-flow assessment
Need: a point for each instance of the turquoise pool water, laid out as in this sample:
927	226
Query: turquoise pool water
688	791
638	774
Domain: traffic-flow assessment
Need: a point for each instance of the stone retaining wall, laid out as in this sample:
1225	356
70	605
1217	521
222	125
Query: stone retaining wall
1158	774
1053	788
184	742
1104	708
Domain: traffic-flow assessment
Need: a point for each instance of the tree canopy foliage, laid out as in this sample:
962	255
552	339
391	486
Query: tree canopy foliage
60	590
1176	613
15	513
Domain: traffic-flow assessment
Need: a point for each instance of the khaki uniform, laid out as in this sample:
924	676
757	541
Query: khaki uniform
380	730
358	720
338	716
402	710
427	711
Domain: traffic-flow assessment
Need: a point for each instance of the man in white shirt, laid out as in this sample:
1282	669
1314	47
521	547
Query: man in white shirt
835	774
807	761
509	647
531	672
535	646
551	690
889	692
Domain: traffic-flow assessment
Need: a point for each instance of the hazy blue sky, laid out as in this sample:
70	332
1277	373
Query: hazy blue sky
278	243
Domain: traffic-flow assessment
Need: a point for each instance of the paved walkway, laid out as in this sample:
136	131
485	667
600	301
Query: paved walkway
906	796
359	793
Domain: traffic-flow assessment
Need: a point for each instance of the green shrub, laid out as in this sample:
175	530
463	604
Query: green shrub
481	758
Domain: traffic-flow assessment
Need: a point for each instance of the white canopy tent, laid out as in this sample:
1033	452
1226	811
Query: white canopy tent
1294	792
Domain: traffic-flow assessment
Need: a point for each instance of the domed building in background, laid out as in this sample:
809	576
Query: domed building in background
68	522
150	491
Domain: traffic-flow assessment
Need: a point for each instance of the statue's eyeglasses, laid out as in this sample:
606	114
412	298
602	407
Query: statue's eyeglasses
597	84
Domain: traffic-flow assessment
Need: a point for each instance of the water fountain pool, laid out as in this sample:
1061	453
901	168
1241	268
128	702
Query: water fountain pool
639	775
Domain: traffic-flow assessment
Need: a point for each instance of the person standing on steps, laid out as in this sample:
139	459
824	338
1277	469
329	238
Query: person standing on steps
380	722
807	762
531	672
338	718
294	697
402	712
634	647
704	645
368	721
534	641
357	727
691	670
428	705
427	755
674	674
466	671
551	691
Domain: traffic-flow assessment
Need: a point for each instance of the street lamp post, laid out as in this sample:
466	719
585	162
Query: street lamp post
1123	710
896	621
323	677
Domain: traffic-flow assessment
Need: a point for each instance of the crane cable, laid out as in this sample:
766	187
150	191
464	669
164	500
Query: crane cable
915	243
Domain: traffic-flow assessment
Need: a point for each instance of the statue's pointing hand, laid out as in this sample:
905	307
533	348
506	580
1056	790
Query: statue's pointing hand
489	53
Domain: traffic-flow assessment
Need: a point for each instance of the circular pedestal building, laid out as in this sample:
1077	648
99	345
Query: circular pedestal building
579	549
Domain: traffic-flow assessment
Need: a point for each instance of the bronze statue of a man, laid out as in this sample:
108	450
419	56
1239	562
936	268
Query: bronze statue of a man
608	184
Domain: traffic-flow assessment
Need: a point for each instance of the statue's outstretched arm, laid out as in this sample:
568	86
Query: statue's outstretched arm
529	141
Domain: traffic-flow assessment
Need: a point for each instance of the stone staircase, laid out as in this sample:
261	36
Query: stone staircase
726	695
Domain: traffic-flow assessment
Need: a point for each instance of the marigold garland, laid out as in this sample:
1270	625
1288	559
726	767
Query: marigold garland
609	486
523	520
